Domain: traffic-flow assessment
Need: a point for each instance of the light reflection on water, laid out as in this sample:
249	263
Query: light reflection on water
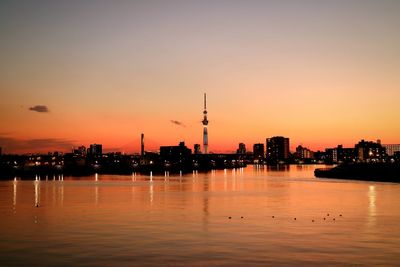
371	206
177	219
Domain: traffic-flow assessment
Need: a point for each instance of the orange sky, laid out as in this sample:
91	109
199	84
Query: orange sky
321	74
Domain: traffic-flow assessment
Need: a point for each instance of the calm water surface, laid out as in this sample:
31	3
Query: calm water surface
112	220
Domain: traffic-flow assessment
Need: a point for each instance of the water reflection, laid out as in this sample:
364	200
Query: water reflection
151	192
15	193
372	206
37	192
61	193
205	203
233	181
96	194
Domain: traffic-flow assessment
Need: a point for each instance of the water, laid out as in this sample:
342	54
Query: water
112	220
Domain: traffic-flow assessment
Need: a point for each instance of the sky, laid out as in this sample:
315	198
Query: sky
73	73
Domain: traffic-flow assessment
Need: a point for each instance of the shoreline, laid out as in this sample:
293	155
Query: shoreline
376	172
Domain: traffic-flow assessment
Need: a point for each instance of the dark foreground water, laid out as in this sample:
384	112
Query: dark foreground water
110	220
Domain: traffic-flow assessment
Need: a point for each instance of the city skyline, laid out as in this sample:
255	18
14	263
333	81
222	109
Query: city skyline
81	73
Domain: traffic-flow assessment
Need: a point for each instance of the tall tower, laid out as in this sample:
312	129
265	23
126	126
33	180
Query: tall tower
142	145
205	123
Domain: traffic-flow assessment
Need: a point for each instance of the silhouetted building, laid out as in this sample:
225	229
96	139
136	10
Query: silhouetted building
320	156
391	149
396	156
149	158
242	149
367	151
303	153
197	149
96	150
346	154
340	154
258	151
142	144
331	155
80	151
175	153
277	149
1	151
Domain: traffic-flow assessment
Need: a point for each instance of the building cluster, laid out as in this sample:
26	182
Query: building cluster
274	151
180	158
92	150
278	151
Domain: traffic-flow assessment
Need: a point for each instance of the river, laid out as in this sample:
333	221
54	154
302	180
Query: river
254	216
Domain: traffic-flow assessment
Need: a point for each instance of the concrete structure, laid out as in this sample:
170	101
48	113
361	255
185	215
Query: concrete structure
391	149
96	150
258	151
340	154
197	149
304	153
80	151
241	149
367	151
175	153
277	149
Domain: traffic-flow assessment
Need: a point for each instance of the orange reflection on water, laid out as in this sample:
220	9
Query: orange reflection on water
192	211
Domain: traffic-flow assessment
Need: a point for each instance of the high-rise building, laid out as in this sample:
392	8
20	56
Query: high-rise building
277	149
96	150
197	149
205	124
258	151
391	148
241	149
142	144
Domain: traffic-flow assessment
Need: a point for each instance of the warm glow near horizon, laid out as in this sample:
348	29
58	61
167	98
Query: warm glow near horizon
321	73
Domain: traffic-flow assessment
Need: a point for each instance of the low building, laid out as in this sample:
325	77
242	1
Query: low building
340	154
303	153
391	149
175	153
80	151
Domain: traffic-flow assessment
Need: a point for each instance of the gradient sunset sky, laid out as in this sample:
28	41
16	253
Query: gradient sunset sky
322	73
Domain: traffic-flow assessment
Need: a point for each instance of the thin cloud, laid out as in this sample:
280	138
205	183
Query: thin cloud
179	123
40	109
